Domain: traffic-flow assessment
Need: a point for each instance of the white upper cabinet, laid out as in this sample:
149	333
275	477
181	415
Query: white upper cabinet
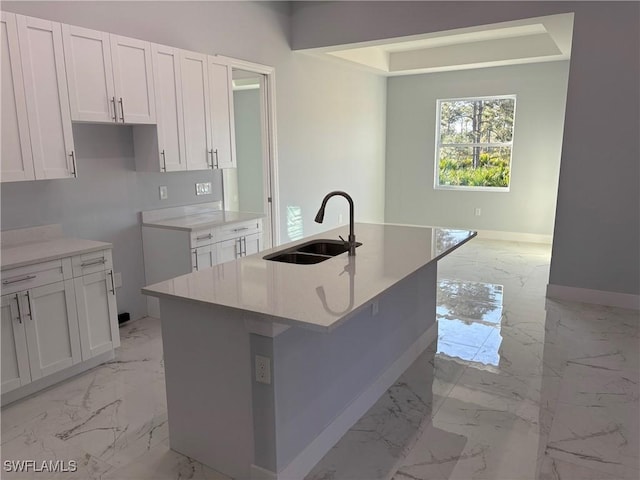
197	112
168	82
45	88
222	126
110	77
17	161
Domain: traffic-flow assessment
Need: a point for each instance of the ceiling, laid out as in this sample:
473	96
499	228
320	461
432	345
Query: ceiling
540	39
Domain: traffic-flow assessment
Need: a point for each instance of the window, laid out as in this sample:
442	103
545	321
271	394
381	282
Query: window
474	143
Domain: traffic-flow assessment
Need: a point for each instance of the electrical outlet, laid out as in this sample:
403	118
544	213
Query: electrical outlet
263	369
375	308
478	212
203	188
164	194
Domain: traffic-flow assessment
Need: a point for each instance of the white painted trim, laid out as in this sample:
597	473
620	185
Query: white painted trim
259	473
515	236
597	297
313	453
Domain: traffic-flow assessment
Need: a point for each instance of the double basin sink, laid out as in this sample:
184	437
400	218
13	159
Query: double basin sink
313	251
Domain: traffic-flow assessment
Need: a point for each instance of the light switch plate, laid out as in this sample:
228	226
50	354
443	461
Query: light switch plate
203	188
164	193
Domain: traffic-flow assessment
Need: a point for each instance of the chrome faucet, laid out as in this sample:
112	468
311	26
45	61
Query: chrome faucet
320	217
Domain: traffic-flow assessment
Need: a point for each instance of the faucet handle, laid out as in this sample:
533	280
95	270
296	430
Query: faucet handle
340	236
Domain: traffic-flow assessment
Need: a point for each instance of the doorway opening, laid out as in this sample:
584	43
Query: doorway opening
252	186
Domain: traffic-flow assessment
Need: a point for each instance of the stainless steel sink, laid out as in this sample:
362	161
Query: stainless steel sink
313	251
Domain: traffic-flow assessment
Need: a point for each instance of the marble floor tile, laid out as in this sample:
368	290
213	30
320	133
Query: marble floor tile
517	386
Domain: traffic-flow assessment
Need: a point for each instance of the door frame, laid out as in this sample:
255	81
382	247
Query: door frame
269	143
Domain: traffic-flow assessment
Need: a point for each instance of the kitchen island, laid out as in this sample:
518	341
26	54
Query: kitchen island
268	363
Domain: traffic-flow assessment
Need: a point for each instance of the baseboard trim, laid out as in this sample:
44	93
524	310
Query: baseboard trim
596	297
313	453
515	236
49	380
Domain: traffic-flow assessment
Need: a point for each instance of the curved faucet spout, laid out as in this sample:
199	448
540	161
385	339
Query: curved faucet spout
320	217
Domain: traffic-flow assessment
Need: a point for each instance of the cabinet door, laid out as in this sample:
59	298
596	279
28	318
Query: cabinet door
197	119
87	55
97	315
228	250
51	323
133	80
222	125
170	120
47	99
16	158
252	244
204	257
15	359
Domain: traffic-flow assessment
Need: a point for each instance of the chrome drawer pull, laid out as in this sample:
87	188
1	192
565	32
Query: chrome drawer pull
93	262
16	280
205	237
240	229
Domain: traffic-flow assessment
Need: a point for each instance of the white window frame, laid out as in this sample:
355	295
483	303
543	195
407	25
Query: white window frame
439	145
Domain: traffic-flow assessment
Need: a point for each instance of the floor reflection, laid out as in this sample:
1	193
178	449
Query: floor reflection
469	315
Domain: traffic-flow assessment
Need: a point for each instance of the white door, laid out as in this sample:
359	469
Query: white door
228	250
97	315
133	80
15	359
51	323
222	124
87	54
16	158
168	91
45	85
204	257
197	119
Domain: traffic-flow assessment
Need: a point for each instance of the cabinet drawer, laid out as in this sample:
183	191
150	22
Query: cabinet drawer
31	276
234	230
92	262
203	237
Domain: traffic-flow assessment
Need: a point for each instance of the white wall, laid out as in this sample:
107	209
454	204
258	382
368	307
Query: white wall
330	125
529	206
597	225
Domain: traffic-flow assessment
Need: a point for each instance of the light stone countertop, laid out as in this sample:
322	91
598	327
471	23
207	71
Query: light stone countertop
323	295
202	220
41	244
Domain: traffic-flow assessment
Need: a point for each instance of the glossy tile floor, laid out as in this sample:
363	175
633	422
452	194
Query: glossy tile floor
516	387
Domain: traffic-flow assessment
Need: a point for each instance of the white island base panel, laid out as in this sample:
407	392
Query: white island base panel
321	383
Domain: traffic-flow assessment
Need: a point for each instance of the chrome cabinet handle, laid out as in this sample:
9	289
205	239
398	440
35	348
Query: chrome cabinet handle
113	283
29	303
19	312
240	229
97	261
244	240
195	252
73	163
115	110
16	280
236	254
203	237
164	161
121	109
210	155
216	152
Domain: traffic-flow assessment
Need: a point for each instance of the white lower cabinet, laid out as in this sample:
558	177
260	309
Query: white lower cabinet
97	315
203	257
15	358
52	321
